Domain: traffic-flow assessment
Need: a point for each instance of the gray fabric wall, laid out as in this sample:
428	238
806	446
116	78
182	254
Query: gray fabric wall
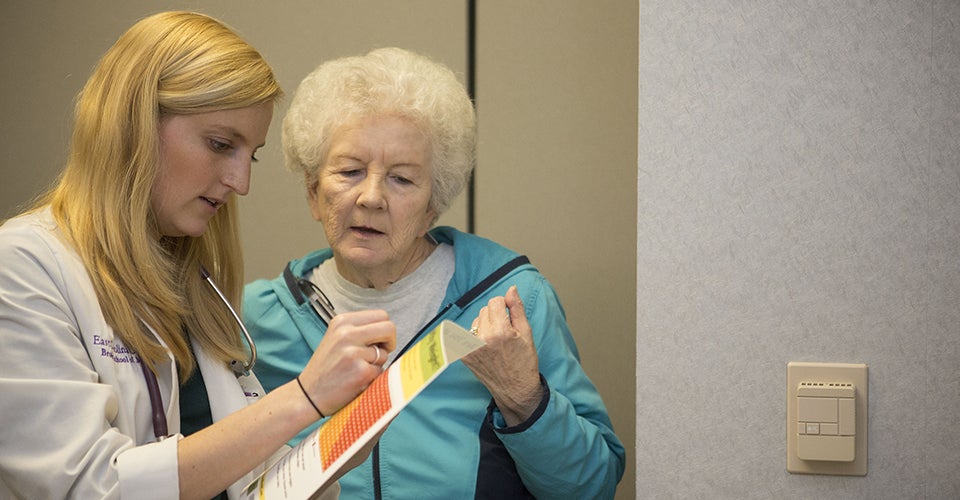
797	201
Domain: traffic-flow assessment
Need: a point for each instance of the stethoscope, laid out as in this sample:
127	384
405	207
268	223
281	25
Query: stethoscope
240	368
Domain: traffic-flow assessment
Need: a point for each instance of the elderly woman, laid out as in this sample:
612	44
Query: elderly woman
384	143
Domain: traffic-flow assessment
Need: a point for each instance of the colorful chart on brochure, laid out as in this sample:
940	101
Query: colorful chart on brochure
311	466
345	428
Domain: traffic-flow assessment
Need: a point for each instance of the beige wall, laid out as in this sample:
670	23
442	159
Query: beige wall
556	99
556	179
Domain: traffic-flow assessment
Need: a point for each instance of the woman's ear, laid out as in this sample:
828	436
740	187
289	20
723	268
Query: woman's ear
430	219
312	182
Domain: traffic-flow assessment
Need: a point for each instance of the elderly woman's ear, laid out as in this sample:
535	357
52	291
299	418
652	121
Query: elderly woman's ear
312	185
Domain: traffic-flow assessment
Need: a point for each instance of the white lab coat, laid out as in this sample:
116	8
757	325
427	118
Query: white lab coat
75	415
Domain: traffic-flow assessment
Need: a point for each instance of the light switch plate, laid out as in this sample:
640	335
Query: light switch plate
828	373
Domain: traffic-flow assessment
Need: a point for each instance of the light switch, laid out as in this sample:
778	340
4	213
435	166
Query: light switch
818	407
848	419
827	418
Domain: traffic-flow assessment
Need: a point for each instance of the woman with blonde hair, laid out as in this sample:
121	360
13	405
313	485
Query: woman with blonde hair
113	332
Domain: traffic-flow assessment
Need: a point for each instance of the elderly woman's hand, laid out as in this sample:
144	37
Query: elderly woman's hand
349	357
508	364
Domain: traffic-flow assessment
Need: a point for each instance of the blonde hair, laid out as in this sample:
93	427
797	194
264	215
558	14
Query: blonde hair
168	63
386	81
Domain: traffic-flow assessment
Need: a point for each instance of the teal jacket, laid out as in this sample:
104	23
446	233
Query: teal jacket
451	441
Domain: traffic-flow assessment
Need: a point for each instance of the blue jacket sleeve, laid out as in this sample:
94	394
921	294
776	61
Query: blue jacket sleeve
570	451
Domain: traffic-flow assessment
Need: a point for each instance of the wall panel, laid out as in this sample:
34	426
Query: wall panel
556	174
798	201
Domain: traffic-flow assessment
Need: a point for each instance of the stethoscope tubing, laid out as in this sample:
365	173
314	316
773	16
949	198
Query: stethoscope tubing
160	429
239	368
156	404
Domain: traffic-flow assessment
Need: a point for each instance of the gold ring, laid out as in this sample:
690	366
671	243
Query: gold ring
474	331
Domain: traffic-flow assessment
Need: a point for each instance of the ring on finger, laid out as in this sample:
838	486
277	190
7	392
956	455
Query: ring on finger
474	330
377	349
